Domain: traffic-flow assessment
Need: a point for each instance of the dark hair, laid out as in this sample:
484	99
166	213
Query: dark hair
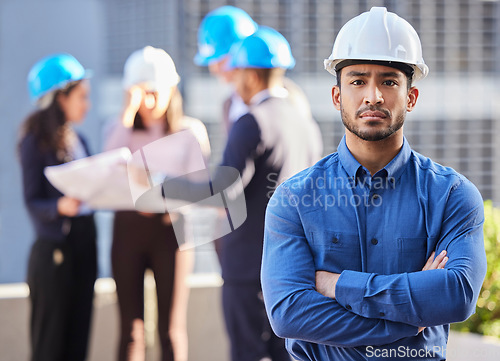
49	125
173	115
268	75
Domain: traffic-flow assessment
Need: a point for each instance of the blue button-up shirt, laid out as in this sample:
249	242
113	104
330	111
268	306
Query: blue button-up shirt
377	232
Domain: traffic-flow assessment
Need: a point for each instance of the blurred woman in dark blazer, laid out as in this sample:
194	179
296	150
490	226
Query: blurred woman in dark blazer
62	265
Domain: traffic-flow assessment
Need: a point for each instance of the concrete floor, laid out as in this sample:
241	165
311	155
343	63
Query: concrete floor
207	337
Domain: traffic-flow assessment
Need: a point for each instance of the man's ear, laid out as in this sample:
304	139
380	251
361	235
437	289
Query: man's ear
336	97
412	99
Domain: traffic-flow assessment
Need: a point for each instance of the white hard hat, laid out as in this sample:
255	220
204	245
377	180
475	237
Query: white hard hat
151	67
378	36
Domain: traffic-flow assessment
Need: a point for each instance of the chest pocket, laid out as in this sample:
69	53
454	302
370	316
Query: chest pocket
336	251
412	254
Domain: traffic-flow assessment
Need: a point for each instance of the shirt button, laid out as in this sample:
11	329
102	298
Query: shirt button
335	240
374	241
348	307
375	196
381	314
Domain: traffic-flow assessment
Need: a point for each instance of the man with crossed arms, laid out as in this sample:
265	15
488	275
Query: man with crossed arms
349	269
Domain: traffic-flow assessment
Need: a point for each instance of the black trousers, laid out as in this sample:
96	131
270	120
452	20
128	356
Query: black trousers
249	331
141	242
61	279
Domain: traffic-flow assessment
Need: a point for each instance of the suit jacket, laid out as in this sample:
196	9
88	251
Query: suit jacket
40	196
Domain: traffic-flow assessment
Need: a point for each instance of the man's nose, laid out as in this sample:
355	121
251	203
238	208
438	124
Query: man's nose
373	95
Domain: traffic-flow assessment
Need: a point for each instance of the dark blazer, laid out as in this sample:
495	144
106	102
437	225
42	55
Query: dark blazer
39	195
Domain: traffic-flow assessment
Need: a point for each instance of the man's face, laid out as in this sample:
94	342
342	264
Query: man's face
373	100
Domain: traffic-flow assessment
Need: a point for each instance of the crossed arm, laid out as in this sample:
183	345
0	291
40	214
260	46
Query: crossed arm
296	310
327	281
436	297
384	308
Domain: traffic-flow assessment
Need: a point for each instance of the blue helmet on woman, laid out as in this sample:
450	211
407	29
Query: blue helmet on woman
266	48
219	30
53	72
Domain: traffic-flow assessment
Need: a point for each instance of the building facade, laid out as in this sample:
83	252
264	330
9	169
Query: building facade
456	121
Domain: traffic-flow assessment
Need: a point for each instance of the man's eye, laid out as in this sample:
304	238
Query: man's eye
390	83
357	82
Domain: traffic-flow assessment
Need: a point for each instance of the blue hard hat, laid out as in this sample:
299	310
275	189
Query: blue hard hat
266	48
219	30
53	72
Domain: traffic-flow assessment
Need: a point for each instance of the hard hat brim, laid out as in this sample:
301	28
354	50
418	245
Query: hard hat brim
420	71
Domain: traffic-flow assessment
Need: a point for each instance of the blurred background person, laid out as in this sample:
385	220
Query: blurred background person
62	264
153	110
269	143
220	29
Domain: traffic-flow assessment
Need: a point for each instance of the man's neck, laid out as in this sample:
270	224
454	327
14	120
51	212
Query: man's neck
374	155
272	85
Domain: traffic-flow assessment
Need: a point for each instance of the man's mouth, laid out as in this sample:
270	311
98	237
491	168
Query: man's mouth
372	115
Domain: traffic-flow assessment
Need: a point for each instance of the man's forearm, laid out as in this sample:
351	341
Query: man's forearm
433	297
308	315
326	282
295	309
428	298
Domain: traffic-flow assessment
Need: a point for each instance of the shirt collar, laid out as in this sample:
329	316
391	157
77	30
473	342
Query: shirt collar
398	164
260	97
393	169
349	163
276	92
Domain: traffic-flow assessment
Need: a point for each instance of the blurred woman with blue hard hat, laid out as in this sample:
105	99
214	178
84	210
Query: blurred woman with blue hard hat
62	264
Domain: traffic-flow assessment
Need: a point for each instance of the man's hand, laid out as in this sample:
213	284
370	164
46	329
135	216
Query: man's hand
326	282
436	263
